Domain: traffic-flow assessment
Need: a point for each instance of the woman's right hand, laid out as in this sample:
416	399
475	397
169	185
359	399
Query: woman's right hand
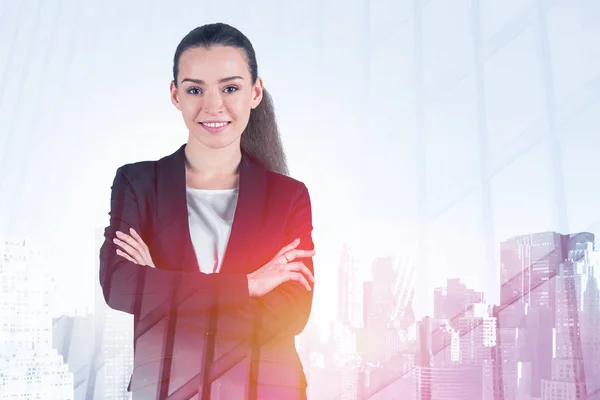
280	269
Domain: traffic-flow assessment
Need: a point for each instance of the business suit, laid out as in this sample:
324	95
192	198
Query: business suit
189	326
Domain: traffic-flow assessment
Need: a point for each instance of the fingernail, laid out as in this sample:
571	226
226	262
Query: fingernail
115	240
132	230
119	233
297	240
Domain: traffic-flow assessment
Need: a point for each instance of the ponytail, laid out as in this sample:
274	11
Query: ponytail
261	139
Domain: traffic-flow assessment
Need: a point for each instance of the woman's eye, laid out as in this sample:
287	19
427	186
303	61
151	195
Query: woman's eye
193	91
230	89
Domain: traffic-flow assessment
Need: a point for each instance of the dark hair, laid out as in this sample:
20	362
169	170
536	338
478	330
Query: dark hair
260	139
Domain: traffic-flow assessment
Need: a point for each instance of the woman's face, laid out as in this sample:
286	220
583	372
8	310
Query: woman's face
215	94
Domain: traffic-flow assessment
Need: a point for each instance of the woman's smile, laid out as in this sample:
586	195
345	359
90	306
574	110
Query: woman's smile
215	126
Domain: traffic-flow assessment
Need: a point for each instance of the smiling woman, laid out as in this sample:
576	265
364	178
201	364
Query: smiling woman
216	108
210	248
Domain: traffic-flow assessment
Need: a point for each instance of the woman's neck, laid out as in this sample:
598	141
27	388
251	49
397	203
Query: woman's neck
212	168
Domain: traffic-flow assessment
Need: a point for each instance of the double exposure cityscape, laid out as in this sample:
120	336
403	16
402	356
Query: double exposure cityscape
541	342
450	149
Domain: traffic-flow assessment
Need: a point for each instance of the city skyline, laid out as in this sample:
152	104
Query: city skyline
579	247
550	355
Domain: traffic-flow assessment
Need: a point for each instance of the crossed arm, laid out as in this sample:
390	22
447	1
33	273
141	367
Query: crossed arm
279	293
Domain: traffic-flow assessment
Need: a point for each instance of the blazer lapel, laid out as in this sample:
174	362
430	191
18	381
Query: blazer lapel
248	214
173	214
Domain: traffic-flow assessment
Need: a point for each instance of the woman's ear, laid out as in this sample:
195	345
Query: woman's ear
257	93
175	95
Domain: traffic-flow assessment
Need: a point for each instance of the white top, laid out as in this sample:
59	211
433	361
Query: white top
210	215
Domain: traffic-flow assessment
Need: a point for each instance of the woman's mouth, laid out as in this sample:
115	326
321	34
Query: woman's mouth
215	126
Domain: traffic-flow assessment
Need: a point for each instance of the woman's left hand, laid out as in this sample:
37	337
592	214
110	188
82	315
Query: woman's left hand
135	250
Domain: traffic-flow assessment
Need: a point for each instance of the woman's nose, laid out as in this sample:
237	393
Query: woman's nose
213	103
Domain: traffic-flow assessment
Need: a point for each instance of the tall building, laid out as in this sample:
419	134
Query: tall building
540	299
445	346
577	326
349	290
569	285
575	372
342	364
452	301
113	351
378	306
477	331
386	340
507	375
539	346
73	337
29	367
387	310
434	379
590	332
565	383
448	383
528	264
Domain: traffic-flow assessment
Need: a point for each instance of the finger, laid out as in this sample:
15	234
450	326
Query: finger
304	269
298	277
129	240
126	256
300	267
297	253
138	239
306	272
143	248
287	248
129	250
285	258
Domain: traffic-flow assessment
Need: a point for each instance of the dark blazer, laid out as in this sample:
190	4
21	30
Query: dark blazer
189	327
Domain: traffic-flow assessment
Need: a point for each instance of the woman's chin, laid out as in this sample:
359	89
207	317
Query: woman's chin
216	141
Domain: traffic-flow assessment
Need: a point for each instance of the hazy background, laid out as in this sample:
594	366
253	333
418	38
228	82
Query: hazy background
427	130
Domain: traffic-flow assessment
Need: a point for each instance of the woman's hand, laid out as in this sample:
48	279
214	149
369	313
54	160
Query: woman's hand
281	269
136	250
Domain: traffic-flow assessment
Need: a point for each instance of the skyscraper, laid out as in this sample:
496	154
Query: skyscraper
454	300
29	366
113	358
528	264
477	330
349	290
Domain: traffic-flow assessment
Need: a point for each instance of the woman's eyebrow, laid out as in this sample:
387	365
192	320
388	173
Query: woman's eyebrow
201	82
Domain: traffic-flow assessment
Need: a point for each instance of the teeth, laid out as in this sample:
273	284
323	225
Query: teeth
214	124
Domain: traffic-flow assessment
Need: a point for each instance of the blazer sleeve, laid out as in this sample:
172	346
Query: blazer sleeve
131	288
287	307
